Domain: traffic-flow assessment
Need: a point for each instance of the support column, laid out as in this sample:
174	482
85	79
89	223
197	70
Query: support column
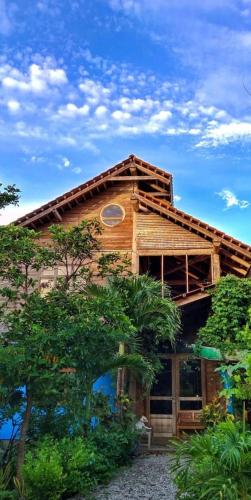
216	268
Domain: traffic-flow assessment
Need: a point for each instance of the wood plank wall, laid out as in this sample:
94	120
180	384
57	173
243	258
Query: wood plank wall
212	380
155	232
116	238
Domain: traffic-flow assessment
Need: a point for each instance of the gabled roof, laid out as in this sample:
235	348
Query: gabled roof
132	167
235	255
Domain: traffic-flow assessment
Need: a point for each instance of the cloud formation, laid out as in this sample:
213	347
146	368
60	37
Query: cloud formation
231	199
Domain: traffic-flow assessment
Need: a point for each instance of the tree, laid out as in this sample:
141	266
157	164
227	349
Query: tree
153	314
64	337
9	195
92	330
228	329
231	300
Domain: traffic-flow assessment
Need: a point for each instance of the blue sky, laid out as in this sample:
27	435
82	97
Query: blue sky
85	83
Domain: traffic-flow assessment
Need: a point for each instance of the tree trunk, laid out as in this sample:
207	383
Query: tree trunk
23	434
87	410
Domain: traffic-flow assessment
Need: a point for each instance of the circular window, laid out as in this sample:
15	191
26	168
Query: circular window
111	215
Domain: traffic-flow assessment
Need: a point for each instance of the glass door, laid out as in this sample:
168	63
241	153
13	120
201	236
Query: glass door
162	401
190	384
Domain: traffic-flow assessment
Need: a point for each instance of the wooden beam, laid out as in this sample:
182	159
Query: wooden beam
234	257
57	215
160	177
132	178
238	270
182	301
159	188
157	193
143	209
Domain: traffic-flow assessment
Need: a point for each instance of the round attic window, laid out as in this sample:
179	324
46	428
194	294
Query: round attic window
111	215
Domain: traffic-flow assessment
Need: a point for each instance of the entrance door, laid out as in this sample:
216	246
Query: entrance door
162	401
180	386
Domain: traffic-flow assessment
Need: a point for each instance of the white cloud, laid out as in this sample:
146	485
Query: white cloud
225	133
129	6
70	110
77	170
231	199
136	104
177	197
162	116
11	213
121	116
94	91
13	105
37	80
66	162
100	111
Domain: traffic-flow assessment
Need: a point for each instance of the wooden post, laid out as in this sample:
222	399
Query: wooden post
216	269
162	275
187	282
121	372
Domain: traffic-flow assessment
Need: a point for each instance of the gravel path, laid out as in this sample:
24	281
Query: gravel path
147	478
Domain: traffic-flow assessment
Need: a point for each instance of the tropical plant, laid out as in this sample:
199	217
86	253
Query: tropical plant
214	464
153	314
213	413
231	300
43	472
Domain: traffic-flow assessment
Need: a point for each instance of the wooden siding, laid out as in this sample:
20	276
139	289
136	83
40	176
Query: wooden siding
115	238
155	232
213	382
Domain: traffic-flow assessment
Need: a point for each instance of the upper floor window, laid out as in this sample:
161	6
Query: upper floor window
111	215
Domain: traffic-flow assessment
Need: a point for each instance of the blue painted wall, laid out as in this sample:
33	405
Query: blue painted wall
104	384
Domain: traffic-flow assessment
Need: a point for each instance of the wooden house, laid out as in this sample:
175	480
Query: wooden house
134	202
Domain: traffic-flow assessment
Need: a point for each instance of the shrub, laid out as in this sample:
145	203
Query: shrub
117	442
214	413
61	468
215	464
83	465
43	472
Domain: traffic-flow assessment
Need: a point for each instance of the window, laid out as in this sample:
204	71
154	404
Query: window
111	215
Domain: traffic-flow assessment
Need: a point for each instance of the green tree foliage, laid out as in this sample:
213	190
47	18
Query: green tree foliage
9	195
231	300
153	314
56	344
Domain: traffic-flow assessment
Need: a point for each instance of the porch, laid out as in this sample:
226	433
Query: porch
183	386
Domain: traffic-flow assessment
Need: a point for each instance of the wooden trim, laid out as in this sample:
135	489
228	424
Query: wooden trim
133	178
179	251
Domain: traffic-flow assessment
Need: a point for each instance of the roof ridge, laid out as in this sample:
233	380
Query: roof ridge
88	184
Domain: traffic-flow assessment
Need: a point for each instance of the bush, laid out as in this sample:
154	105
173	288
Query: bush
83	465
117	442
214	413
43	472
215	464
58	468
